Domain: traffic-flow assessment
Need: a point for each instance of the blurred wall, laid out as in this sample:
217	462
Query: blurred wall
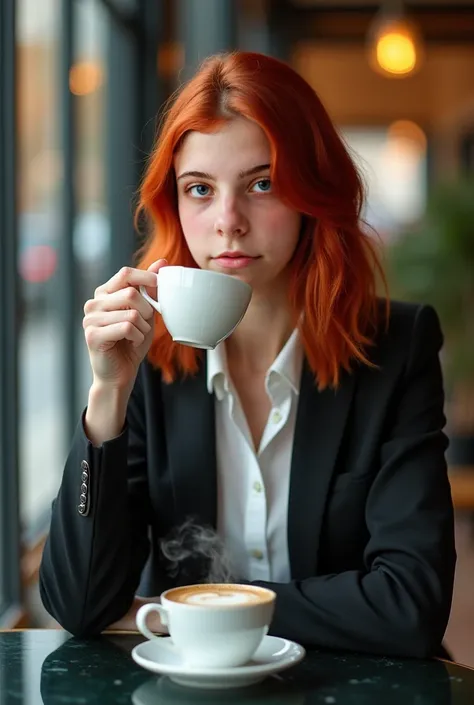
440	97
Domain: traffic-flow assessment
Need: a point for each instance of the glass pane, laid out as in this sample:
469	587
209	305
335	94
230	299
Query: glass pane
91	228
39	190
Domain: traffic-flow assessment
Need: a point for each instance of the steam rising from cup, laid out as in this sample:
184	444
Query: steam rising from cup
191	542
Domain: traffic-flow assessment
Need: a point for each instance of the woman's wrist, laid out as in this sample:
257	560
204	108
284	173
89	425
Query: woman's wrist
106	412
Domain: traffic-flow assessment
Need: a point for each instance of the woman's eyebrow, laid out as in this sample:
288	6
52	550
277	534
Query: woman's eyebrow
196	175
254	170
210	177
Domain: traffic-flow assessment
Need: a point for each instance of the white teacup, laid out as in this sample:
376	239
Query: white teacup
199	308
215	625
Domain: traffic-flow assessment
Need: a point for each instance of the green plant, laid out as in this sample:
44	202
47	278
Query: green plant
434	263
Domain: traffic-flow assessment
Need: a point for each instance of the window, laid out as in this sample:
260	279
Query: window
79	92
392	161
91	230
40	177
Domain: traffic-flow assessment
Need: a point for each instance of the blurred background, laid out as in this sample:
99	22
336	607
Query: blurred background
82	84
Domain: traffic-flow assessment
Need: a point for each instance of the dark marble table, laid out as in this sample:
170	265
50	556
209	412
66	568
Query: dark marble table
51	667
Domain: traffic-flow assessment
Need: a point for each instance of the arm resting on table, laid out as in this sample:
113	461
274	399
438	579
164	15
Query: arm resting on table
92	564
400	603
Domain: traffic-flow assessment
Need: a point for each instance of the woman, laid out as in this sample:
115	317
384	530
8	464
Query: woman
311	440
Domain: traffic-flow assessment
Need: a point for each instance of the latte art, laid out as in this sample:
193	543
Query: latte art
216	598
219	595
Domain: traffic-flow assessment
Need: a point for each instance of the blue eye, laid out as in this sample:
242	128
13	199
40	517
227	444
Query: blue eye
264	185
199	190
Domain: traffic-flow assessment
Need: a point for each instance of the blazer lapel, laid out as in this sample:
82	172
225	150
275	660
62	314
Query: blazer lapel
320	423
190	434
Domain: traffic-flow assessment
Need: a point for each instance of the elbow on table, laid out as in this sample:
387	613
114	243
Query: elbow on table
77	620
71	622
420	644
80	630
422	635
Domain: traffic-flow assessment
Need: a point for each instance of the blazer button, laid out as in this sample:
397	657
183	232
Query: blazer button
83	506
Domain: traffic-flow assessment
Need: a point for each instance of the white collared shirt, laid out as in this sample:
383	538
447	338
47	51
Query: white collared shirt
253	487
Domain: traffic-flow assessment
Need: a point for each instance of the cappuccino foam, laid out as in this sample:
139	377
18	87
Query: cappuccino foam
216	595
216	598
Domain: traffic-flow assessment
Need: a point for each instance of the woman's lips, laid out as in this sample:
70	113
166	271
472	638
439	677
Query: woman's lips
234	262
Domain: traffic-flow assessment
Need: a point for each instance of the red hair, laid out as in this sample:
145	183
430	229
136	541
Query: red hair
333	270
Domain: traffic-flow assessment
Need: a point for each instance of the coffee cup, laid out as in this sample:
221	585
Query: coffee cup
212	626
199	308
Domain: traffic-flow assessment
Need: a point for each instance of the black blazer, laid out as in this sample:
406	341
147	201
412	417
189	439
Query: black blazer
370	518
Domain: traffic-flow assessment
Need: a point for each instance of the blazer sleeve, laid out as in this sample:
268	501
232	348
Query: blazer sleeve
92	562
400	603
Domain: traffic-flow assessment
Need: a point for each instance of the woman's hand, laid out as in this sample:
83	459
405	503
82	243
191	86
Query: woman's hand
118	325
128	621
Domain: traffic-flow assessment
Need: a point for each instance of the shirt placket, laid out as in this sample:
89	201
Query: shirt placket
256	524
255	521
281	404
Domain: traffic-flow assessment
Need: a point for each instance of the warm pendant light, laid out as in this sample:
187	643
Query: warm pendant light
395	46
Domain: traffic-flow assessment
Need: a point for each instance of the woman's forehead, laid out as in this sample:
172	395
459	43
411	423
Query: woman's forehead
239	144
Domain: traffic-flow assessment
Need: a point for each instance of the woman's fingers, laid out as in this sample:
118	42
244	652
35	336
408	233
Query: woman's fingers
103	318
128	298
104	337
126	277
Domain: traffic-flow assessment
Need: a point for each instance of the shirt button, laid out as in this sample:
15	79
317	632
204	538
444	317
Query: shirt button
257	554
276	416
257	486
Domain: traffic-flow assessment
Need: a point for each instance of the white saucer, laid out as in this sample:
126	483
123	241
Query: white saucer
273	655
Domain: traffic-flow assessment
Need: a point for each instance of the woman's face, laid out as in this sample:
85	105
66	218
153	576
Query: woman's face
232	220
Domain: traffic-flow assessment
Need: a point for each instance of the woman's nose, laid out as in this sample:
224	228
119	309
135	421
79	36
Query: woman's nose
230	219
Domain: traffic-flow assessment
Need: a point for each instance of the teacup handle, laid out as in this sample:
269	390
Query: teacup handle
141	618
147	297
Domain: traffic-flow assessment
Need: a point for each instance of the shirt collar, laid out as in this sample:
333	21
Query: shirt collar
217	371
288	363
287	366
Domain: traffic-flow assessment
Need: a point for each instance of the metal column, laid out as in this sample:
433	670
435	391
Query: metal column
67	273
122	128
205	27
264	26
10	583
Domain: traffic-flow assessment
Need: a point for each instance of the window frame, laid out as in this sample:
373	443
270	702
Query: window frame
10	582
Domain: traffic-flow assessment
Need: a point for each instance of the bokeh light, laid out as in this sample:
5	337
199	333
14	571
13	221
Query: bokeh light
396	53
85	77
